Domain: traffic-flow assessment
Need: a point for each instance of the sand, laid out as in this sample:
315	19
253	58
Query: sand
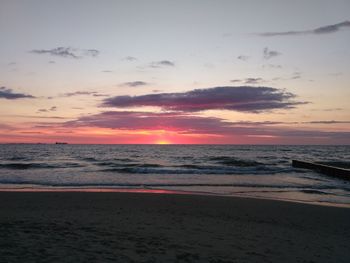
141	227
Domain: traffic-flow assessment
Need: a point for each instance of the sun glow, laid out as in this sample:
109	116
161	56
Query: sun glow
162	142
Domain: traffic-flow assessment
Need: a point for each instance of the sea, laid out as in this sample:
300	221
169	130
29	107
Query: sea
232	170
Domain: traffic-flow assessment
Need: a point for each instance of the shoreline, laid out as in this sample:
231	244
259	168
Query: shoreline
128	227
162	191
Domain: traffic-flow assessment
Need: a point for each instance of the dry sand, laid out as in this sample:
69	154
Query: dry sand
135	227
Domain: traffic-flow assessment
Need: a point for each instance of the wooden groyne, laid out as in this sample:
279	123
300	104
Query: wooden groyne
325	169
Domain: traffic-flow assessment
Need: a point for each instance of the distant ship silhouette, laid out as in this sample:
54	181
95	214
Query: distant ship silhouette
61	143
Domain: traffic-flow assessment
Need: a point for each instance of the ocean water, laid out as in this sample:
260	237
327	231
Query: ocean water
250	171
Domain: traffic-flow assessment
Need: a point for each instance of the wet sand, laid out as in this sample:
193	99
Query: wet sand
144	227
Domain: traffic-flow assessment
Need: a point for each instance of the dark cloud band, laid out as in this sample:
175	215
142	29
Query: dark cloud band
241	98
320	30
6	93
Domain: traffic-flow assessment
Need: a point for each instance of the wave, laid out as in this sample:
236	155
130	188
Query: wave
231	161
127	165
95	160
192	169
153	168
17	158
25	166
311	189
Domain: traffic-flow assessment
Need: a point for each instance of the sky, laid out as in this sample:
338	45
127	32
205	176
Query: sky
175	72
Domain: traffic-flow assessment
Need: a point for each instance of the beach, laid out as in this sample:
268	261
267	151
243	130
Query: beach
153	227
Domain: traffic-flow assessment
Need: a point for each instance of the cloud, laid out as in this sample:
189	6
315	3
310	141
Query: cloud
36	117
6	93
78	93
267	53
328	122
53	108
243	57
317	31
83	93
241	98
259	123
130	120
130	58
91	52
253	80
333	109
274	66
67	52
134	83
296	75
162	63
249	81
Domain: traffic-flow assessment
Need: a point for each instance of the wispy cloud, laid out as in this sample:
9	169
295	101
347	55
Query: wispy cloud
90	52
243	57
137	83
296	75
249	81
333	109
53	108
317	31
241	98
162	63
6	93
36	117
130	58
267	53
328	122
272	66
67	52
83	93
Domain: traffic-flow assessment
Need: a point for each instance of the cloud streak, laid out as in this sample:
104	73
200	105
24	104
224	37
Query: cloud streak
162	63
83	93
268	54
328	29
328	122
129	58
67	52
241	98
249	81
243	57
131	120
137	83
6	93
53	108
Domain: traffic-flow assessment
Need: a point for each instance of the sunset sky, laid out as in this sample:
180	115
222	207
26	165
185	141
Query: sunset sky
227	72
